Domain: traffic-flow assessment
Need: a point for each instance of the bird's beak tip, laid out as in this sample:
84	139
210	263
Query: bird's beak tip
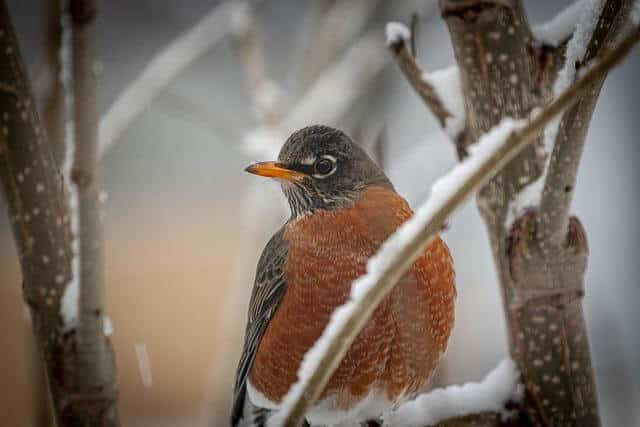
274	170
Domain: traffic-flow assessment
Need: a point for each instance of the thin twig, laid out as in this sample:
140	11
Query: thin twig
413	73
327	358
95	373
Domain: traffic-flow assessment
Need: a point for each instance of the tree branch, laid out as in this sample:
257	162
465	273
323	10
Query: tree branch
562	171
541	291
39	217
398	37
494	150
490	402
95	374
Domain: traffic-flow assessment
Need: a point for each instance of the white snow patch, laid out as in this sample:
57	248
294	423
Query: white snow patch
397	32
561	26
107	326
446	83
528	197
389	253
500	386
69	302
144	366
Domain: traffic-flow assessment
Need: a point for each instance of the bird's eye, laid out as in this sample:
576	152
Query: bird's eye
324	166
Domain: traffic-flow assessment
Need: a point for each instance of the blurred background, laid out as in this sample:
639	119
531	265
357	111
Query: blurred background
184	225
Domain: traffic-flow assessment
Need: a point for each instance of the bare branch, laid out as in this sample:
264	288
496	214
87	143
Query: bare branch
39	217
398	45
562	171
95	374
491	154
162	69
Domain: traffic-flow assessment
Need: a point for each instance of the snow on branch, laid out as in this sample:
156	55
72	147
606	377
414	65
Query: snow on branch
440	90
397	32
585	15
500	387
560	28
162	69
487	157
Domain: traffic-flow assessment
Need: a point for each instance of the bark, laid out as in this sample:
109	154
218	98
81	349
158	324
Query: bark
542	289
507	143
96	374
33	189
53	112
39	218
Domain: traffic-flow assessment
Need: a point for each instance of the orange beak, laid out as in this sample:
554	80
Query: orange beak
275	170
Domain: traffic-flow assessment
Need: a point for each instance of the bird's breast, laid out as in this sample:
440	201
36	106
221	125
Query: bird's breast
398	348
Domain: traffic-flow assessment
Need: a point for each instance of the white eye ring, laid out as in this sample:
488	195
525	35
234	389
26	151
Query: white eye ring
333	161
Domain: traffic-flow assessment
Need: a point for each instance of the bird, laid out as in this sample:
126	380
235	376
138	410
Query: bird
343	207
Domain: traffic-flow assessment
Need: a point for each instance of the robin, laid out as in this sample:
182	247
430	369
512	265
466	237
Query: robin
343	207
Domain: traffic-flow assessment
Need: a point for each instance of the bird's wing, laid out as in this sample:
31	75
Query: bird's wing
268	290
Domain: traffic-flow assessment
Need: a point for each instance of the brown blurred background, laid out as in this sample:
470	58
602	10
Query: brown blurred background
184	225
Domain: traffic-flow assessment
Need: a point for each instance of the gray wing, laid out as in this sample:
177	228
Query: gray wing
268	290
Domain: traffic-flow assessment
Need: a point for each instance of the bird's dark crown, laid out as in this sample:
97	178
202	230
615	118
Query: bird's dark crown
332	170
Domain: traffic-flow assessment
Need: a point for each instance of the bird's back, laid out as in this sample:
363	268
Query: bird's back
394	355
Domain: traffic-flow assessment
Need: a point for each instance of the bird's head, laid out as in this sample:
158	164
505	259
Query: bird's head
320	167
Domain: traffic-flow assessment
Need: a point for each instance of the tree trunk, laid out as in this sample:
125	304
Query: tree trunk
541	276
40	218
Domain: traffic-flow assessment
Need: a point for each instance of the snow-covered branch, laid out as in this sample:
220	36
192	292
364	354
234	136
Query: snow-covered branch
599	23
487	157
501	387
439	90
163	68
94	372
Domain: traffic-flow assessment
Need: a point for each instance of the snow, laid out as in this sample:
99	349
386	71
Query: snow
395	248
447	85
144	366
70	297
162	69
500	386
560	27
587	19
397	32
107	326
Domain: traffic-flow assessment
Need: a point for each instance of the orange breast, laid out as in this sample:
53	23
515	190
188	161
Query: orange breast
399	347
